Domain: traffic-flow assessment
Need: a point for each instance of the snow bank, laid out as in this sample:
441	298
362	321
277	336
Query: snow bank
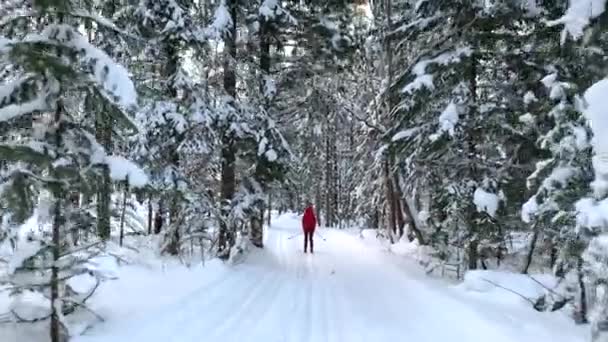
500	286
404	247
31	305
373	239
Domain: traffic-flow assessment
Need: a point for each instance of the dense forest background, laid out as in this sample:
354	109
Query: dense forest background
458	124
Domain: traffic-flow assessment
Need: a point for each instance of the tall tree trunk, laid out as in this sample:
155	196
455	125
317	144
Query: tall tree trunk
159	219
328	179
228	174
530	255
58	220
318	198
55	300
392	223
582	312
123	213
257	220
150	214
472	138
269	218
103	133
388	54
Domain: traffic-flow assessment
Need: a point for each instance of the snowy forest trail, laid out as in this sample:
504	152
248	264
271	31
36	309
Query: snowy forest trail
346	291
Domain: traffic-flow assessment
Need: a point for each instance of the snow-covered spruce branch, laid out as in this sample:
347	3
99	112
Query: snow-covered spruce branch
82	248
13	111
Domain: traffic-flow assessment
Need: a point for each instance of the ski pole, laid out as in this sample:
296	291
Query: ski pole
321	236
293	236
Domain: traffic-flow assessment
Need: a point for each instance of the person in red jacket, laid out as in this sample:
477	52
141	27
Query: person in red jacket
309	223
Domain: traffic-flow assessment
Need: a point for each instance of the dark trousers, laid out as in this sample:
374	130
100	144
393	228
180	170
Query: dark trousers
307	239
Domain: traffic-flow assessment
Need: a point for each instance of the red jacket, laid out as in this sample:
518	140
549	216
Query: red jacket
309	221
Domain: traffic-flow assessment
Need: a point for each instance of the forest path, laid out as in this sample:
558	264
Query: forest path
345	292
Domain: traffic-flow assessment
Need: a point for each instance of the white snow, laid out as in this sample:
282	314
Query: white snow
596	98
592	213
449	118
421	81
405	134
31	305
122	168
426	80
113	77
7	89
529	209
549	80
486	201
25	250
271	155
578	17
419	23
347	291
419	4
527	119
559	176
532	8
496	284
529	97
82	283
222	20
268	8
15	110
581	139
270	87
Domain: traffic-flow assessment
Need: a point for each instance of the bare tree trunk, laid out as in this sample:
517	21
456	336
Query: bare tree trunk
530	255
173	247
150	215
473	254
122	214
392	224
269	218
582	312
159	219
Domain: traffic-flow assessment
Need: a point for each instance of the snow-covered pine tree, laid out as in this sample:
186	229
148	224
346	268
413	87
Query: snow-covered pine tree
177	138
51	66
457	137
584	37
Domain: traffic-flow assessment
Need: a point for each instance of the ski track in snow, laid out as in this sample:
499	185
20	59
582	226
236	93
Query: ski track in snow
346	291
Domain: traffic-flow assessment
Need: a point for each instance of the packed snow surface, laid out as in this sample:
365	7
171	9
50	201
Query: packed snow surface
349	290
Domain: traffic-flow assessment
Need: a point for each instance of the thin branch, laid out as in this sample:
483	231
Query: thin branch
507	289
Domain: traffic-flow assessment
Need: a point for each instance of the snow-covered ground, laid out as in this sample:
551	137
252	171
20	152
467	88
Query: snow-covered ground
349	290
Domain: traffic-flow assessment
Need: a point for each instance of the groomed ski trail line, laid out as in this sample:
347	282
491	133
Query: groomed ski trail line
345	292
